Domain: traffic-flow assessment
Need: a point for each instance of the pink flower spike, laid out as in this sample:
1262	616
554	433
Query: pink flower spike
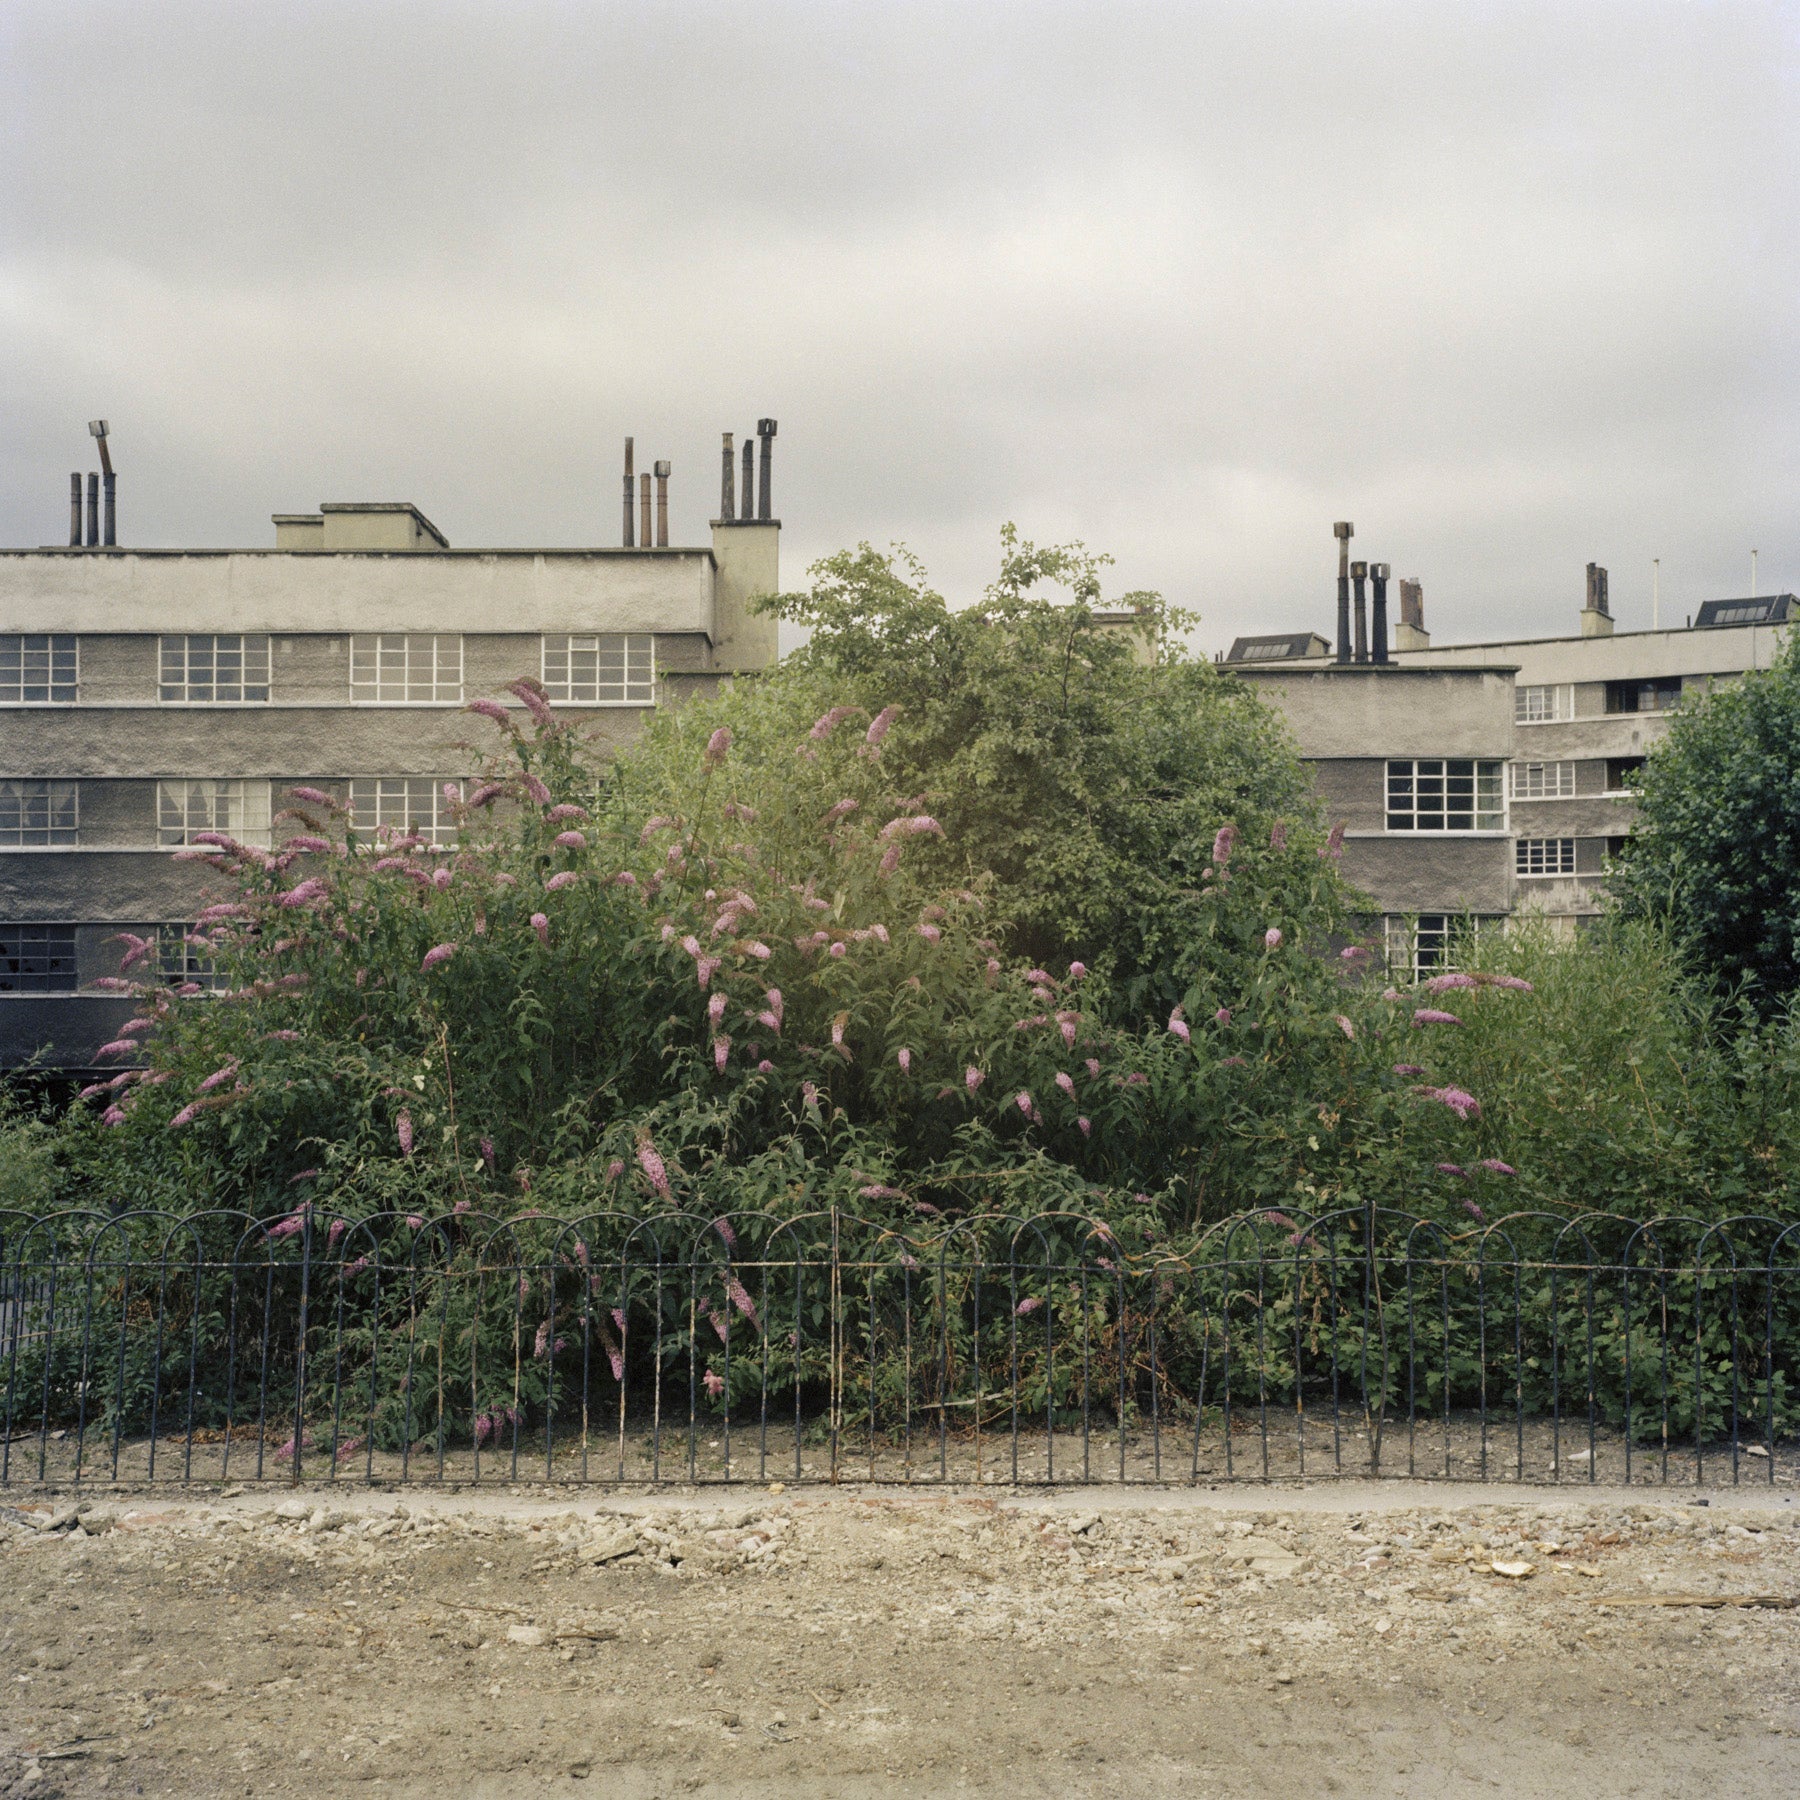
1027	1306
930	933
1430	1015
972	1078
1077	970
1272	938
1473	1210
1451	1169
827	723
1222	844
1092	1065
118	1047
531	694
490	709
1344	1025
713	1383
1513	982
1023	1101
919	825
1495	1166
879	725
540	923
1334	843
615	1169
312	796
1222	1016
653	1166
116	1116
904	1058
1278	836
717	745
1354	953
1178	1026
1087	1129
1408	1069
721	1049
765	1067
404	1132
1440	984
1464	1105
570	840
562	879
1066	1082
890	860
535	788
438	953
486	794
186	1116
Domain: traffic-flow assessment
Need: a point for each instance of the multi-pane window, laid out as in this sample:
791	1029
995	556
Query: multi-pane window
37	670
239	809
614	668
403	803
1445	794
410	668
1544	856
1543	704
37	959
1423	944
1662	694
180	963
39	813
214	668
1622	772
1543	781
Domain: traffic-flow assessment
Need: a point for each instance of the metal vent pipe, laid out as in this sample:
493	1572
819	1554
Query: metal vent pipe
662	505
75	510
1378	623
727	481
1343	531
1359	573
644	516
93	510
765	430
629	484
748	508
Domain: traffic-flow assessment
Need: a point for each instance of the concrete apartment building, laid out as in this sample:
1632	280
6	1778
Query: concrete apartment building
1478	782
147	695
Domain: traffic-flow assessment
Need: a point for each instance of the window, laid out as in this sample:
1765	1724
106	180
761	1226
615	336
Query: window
240	809
403	803
406	668
1660	695
614	668
37	670
1424	944
1544	856
180	963
1620	773
214	669
37	959
1543	781
1543	705
38	813
1445	794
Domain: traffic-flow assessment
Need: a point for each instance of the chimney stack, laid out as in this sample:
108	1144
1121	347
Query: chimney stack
75	510
765	430
93	511
1359	573
1410	633
1378	623
1596	615
747	510
728	481
662	505
1343	531
645	534
628	495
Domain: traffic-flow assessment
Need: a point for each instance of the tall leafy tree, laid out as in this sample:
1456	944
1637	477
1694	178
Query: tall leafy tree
1716	851
1086	762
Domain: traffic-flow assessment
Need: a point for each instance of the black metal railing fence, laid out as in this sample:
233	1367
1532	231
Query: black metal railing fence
1038	1349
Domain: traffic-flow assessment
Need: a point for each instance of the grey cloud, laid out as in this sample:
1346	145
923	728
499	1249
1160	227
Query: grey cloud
1509	285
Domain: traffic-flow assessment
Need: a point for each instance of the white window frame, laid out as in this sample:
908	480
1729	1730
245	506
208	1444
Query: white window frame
187	675
406	668
1543	703
1543	781
1422	772
239	808
22	796
403	803
17	648
1419	945
573	668
1544	859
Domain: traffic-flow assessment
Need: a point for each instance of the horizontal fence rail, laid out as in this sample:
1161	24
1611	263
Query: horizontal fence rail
608	1348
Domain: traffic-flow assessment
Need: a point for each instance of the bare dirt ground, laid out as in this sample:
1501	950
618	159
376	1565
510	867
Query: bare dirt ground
1341	1639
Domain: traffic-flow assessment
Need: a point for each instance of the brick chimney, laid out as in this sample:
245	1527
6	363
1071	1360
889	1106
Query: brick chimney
1596	615
1409	629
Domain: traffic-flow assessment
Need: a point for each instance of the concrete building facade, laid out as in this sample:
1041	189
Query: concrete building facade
147	695
1478	782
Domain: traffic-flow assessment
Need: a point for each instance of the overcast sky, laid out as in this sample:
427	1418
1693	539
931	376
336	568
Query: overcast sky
1511	286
